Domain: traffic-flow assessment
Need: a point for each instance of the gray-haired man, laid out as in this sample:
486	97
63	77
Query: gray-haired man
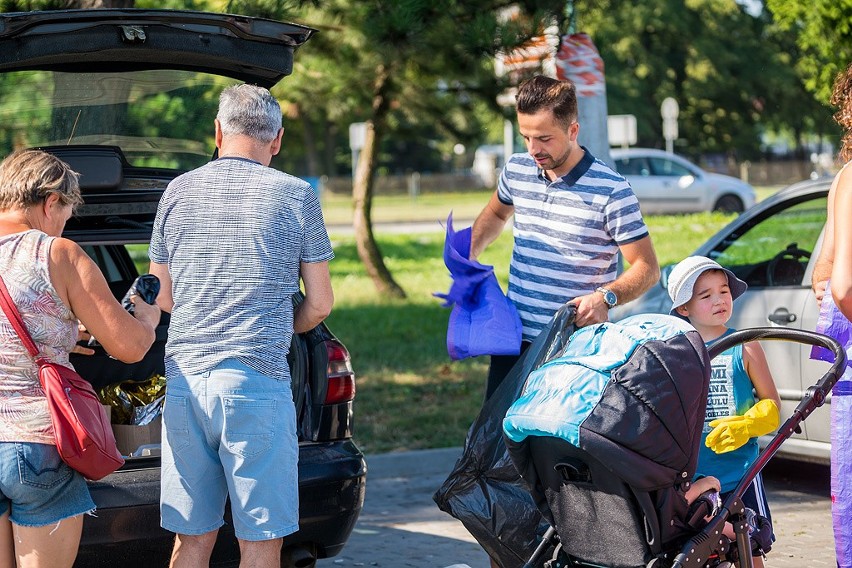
230	242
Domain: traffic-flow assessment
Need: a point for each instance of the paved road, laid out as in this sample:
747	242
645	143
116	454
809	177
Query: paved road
402	527
436	226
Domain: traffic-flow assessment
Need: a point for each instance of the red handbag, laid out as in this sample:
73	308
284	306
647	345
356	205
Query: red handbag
81	426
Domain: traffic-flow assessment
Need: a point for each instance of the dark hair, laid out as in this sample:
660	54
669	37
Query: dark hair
841	97
543	93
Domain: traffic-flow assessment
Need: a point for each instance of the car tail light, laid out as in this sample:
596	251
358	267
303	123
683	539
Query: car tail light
341	378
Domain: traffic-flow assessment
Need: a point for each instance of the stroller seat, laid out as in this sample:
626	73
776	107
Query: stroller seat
606	436
600	519
608	467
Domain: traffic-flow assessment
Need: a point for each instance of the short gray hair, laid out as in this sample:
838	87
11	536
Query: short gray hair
251	111
27	177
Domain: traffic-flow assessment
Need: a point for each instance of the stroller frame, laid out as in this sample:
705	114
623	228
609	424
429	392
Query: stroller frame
709	544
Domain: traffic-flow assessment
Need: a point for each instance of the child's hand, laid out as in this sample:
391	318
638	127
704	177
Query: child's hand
731	432
699	486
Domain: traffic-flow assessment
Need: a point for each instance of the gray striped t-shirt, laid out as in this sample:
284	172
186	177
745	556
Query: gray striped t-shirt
567	233
233	233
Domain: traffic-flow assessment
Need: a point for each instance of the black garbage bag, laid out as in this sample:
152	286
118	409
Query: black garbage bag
484	490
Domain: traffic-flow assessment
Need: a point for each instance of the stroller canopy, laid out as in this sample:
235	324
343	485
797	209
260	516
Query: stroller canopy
632	393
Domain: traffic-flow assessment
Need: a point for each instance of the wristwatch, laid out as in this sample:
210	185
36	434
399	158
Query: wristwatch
610	299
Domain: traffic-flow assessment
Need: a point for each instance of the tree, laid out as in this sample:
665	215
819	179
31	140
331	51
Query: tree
727	68
395	61
823	31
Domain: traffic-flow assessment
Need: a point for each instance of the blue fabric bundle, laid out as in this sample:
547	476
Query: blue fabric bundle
632	393
483	320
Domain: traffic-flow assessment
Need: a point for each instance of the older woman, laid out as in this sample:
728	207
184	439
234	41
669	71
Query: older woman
55	287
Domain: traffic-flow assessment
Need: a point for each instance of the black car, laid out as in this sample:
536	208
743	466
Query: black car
127	98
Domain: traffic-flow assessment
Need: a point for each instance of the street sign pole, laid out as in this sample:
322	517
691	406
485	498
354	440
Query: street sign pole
357	137
669	111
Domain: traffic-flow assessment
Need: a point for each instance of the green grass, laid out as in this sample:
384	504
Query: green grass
410	395
337	209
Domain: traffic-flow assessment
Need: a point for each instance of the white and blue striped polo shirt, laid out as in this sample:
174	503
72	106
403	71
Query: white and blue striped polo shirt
567	233
233	233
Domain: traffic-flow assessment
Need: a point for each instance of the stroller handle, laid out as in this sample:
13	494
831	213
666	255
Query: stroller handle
700	547
561	330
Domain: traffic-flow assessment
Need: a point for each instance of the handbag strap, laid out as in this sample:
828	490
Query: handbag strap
15	319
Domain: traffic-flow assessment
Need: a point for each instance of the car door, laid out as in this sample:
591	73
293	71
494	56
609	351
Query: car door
772	253
676	188
637	170
819	428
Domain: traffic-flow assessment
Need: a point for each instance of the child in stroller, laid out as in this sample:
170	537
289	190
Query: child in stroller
606	436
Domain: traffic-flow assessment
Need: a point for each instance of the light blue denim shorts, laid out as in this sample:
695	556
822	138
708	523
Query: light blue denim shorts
229	432
37	488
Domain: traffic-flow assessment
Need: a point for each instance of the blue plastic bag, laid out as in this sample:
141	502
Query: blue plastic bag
483	320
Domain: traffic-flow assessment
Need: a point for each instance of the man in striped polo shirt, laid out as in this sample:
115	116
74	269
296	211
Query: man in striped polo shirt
230	243
572	216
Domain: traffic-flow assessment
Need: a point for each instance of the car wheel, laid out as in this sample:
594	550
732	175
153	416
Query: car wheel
729	204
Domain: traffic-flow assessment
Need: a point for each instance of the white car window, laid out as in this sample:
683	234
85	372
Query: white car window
663	167
633	167
775	249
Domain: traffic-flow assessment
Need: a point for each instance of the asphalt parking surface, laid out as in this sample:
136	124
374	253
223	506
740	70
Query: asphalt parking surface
401	526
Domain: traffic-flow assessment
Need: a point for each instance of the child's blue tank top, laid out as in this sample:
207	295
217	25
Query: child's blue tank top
730	394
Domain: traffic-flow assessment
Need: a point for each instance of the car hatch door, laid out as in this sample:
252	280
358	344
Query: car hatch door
249	49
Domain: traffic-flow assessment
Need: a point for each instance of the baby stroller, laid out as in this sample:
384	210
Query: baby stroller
608	449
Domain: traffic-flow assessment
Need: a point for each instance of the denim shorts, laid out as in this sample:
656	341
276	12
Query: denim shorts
37	488
229	432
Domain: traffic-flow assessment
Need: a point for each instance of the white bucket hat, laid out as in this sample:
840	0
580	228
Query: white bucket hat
684	275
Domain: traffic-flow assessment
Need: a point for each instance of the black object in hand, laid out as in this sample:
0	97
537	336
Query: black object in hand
146	287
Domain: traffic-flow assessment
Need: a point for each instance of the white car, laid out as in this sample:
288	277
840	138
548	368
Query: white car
772	247
668	183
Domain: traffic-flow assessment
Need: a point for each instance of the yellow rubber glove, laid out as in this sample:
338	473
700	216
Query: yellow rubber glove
731	432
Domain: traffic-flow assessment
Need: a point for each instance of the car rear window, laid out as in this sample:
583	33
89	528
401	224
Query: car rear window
159	118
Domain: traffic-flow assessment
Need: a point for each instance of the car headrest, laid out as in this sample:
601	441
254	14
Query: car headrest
101	168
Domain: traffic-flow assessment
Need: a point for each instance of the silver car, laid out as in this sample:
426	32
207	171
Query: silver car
668	183
772	247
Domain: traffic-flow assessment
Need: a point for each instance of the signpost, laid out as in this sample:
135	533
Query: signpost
621	130
669	110
357	138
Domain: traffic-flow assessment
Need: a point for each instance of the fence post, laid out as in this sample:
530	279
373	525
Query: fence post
414	185
744	166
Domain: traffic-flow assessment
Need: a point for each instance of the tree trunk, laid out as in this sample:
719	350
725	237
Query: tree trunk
362	191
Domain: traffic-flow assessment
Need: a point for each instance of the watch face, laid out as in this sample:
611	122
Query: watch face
609	297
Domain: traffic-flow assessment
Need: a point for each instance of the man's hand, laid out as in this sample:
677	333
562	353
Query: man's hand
591	309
